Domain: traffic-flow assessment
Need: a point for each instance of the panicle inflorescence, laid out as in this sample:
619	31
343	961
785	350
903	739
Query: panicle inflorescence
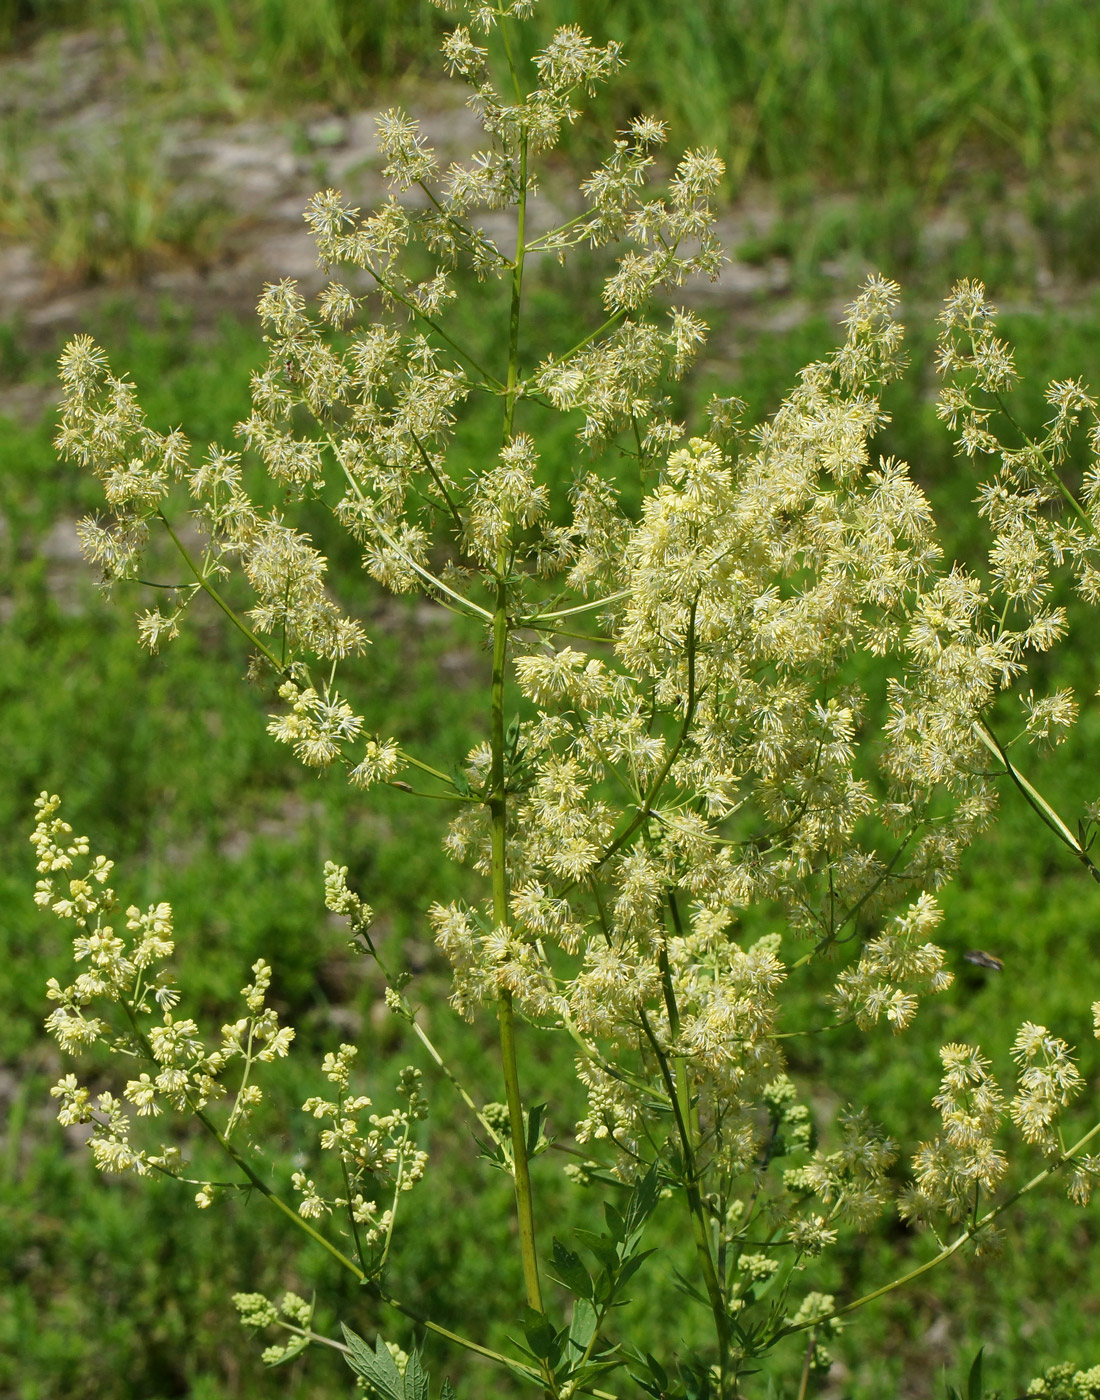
1047	1081
893	969
376	1151
127	973
954	1166
693	750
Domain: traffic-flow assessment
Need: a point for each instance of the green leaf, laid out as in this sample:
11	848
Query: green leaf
377	1367
535	1116
540	1334
643	1200
494	1153
601	1246
593	1370
656	1382
416	1381
582	1327
697	1384
568	1270
686	1286
974	1380
631	1266
660	1375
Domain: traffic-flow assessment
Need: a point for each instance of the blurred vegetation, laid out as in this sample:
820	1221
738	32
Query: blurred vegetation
859	90
109	1289
902	136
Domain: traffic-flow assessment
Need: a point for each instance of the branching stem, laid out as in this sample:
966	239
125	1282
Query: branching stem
212	593
498	802
699	1227
948	1250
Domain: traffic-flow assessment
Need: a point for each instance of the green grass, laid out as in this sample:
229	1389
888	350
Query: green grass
860	90
858	119
164	761
115	215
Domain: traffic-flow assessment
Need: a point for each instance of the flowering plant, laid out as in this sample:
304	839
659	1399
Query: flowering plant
677	733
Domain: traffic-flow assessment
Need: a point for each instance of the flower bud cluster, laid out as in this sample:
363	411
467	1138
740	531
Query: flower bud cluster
127	973
376	1152
293	1314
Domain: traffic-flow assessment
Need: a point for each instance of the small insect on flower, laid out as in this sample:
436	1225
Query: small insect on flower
980	959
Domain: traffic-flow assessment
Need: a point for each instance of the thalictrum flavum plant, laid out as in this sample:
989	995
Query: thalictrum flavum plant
679	746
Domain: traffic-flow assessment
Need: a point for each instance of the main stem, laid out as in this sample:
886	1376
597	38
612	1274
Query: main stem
505	1011
687	1123
679	1097
498	803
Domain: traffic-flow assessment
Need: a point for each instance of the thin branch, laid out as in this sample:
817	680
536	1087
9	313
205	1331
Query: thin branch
212	593
948	1250
569	612
435	326
1036	801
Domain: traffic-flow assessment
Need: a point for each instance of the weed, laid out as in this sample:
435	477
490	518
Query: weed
110	212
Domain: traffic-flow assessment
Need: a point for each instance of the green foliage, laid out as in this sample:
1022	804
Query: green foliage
113	213
385	1379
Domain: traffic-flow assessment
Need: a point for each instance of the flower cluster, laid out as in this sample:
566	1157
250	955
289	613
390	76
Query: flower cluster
1048	1080
950	1169
682	799
293	1314
380	1151
893	968
1066	1382
127	973
1038	525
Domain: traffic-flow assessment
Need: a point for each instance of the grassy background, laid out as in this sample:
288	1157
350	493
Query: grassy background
853	88
114	1290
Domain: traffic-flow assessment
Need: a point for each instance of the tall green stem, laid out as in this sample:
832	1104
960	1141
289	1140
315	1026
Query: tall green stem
676	1087
498	806
498	802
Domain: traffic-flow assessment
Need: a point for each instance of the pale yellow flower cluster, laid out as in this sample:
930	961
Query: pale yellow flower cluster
377	1153
125	972
679	745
